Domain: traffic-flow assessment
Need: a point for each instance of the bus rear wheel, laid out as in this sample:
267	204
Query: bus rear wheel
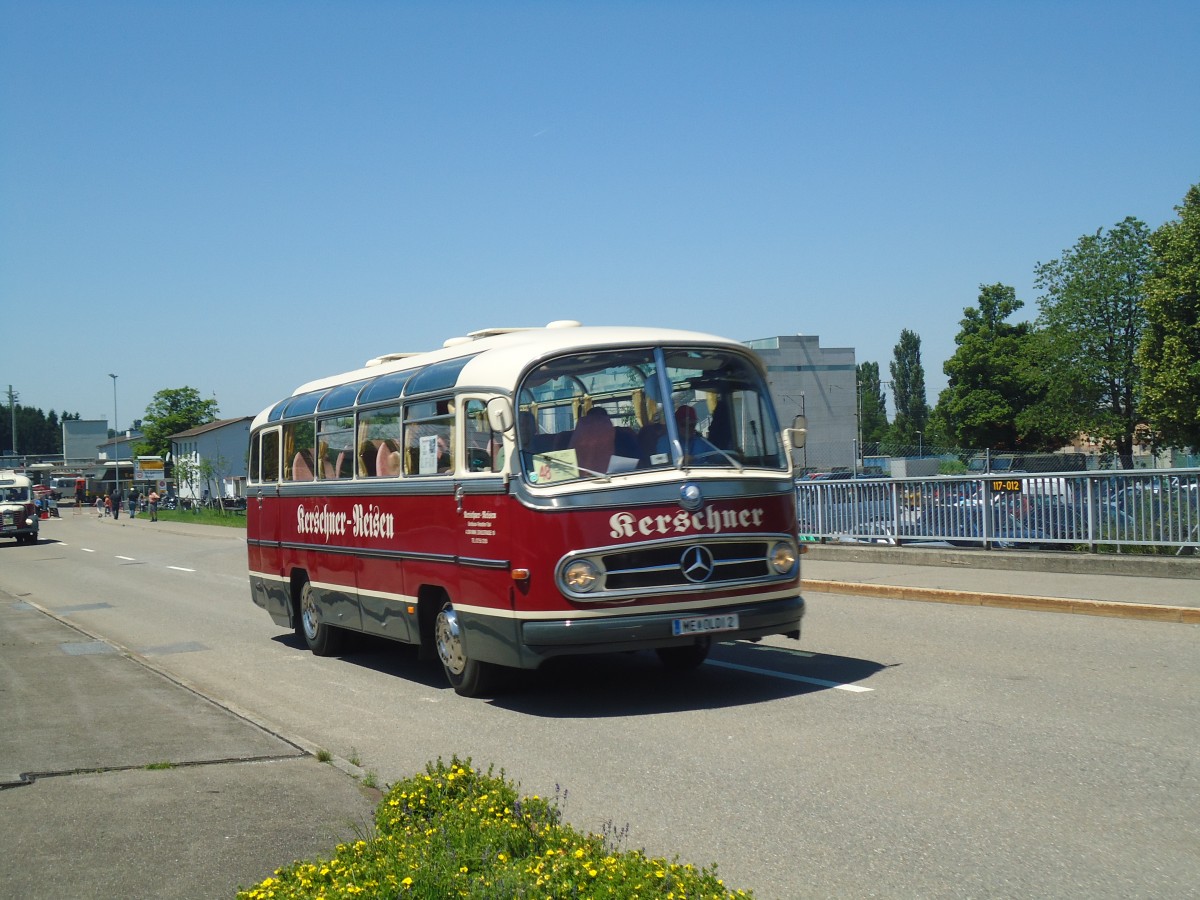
469	677
322	639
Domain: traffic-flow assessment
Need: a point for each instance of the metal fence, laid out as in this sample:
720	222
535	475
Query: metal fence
1110	509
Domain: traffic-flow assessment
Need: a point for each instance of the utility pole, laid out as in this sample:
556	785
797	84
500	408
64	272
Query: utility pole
858	386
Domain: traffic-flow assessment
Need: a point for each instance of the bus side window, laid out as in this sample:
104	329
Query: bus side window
379	442
485	448
298	443
336	443
429	438
270	456
255	447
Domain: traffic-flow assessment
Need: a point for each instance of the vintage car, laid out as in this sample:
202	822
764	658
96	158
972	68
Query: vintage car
18	508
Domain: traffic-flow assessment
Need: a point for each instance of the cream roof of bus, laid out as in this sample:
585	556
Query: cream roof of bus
499	354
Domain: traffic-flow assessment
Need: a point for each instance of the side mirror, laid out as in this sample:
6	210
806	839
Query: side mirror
799	432
500	414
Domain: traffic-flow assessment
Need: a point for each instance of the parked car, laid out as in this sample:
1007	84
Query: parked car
963	526
878	532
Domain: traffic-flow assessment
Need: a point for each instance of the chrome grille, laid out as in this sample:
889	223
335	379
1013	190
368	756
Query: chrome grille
662	567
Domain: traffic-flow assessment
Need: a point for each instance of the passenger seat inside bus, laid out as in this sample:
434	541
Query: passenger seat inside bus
387	459
340	468
302	468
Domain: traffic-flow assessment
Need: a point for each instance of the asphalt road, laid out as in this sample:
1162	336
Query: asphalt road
900	750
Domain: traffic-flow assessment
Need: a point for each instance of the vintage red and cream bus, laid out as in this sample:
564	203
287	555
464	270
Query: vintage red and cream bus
526	493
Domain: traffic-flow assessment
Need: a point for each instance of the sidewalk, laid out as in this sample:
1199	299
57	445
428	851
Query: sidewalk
1160	589
118	782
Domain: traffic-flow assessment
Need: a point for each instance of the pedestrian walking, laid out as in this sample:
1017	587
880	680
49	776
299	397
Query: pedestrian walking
117	497
133	502
108	506
99	507
153	498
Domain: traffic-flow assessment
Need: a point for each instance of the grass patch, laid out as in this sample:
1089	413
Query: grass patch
227	518
455	831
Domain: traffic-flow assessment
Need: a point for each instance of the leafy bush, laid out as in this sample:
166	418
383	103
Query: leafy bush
455	831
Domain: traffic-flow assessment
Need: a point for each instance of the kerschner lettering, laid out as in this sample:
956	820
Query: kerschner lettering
626	525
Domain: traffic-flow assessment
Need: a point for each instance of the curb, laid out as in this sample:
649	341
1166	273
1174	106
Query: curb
1113	609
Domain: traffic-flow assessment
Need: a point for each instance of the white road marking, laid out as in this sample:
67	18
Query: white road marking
87	550
854	688
180	569
127	558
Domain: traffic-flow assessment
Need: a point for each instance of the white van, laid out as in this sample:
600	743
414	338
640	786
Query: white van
63	486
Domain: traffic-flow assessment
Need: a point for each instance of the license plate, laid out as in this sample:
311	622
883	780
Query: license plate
704	624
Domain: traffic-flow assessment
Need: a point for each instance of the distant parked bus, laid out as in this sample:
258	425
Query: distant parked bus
522	494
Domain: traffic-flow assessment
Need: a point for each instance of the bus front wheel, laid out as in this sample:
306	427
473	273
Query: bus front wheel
322	639
469	677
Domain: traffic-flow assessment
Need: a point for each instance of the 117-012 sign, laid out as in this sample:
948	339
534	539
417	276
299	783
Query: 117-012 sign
1006	486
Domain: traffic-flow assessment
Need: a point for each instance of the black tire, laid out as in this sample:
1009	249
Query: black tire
686	656
322	639
469	677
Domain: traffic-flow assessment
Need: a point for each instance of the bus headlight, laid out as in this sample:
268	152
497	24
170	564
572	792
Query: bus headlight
581	576
783	557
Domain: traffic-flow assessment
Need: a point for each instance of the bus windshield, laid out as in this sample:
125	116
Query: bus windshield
592	415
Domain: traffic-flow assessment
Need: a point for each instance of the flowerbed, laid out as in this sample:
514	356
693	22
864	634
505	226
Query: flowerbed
455	831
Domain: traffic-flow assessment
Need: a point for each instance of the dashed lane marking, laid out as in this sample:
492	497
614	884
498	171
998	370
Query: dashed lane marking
853	688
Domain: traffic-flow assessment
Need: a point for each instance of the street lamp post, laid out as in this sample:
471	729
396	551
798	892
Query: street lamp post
116	432
116	429
921	444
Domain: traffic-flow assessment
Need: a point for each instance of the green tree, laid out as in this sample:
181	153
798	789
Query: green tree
872	406
993	379
38	433
171	411
908	391
1091	322
1170	350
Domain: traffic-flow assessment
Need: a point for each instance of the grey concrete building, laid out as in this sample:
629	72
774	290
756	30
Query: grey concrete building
822	384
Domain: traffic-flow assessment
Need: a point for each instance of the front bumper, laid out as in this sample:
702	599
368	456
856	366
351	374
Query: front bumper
542	640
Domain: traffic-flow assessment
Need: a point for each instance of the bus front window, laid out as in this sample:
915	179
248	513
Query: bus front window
598	414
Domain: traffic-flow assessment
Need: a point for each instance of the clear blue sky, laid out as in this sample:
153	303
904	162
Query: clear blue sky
241	196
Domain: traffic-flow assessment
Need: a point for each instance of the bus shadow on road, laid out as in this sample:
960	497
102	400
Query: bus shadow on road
632	684
739	673
380	655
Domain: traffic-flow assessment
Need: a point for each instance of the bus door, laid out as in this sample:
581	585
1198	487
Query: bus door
480	501
485	595
271	589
